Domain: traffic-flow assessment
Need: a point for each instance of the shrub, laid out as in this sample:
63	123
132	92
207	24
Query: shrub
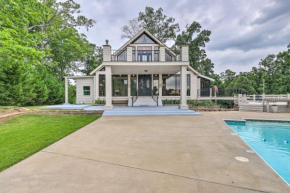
200	103
171	102
99	102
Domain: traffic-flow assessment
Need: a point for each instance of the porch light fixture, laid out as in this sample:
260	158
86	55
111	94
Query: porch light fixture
145	70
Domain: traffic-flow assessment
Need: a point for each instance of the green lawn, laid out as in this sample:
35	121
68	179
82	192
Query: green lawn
25	135
5	107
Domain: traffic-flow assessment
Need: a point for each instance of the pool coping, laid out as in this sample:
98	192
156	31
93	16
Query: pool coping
243	120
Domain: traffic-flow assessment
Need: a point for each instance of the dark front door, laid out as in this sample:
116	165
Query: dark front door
144	85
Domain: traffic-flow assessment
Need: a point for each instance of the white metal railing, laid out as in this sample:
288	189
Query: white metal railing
262	97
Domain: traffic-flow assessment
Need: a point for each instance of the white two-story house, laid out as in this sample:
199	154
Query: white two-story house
144	71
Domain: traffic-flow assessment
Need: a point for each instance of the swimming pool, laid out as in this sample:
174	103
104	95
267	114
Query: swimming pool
269	139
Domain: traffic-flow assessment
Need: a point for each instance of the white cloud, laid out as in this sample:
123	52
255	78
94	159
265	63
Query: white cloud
239	60
243	31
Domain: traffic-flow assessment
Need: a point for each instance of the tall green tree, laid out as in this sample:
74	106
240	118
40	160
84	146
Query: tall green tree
157	23
283	71
39	44
16	85
17	45
92	59
196	39
242	83
228	76
268	67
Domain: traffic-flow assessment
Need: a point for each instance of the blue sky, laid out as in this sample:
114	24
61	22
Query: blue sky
243	31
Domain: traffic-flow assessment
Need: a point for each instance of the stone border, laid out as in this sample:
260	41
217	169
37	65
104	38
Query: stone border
82	112
4	118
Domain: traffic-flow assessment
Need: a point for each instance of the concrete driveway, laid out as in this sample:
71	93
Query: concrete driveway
147	154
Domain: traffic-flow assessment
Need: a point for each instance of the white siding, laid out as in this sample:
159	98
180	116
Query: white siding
162	54
184	53
80	83
129	54
193	86
106	53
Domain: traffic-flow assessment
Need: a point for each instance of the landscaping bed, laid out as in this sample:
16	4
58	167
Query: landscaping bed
22	136
211	108
200	105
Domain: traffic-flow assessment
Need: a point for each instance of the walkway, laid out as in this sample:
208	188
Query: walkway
147	154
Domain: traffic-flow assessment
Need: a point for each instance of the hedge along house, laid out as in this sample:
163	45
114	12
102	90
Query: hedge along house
144	71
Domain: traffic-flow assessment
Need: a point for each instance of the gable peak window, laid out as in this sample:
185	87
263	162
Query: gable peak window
144	39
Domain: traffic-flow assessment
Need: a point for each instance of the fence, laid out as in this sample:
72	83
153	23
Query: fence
210	92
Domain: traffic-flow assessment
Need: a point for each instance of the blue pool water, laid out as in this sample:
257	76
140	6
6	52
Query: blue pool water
269	140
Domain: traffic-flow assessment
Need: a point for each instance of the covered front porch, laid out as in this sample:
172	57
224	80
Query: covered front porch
123	82
138	81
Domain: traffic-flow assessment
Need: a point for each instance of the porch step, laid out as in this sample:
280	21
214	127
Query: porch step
145	102
251	107
149	111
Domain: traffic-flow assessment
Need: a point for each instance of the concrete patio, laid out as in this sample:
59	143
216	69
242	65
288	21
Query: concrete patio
148	154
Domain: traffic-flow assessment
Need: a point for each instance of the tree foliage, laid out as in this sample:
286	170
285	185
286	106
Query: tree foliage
39	45
272	73
161	26
196	39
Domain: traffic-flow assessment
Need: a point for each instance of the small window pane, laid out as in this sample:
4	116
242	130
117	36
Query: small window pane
87	90
168	57
188	85
122	56
102	85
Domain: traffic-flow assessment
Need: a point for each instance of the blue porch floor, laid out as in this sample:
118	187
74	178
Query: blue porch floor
149	111
130	111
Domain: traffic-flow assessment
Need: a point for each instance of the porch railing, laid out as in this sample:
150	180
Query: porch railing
140	56
134	98
155	96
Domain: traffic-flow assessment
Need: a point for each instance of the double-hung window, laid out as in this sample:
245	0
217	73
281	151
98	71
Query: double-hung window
87	90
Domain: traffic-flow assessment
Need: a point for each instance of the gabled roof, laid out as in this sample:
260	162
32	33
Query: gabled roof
200	75
136	36
206	77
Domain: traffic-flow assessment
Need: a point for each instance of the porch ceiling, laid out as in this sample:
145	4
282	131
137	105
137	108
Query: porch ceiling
158	69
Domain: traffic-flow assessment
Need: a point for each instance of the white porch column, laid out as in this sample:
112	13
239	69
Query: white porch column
66	90
183	101
129	85
109	104
160	85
